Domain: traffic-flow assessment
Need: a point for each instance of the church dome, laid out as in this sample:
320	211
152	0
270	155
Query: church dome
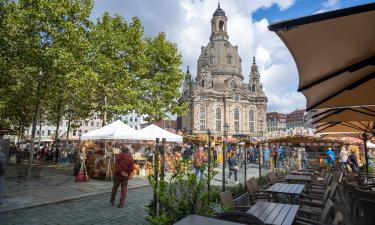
219	12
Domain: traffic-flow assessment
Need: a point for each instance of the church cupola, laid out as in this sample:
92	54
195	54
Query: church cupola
254	78
219	25
188	75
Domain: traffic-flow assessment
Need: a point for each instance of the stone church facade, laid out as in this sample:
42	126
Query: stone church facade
218	95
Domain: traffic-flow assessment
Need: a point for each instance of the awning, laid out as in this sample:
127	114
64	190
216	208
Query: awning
151	132
115	130
366	113
346	127
335	56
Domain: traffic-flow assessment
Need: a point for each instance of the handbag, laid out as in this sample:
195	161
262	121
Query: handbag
236	168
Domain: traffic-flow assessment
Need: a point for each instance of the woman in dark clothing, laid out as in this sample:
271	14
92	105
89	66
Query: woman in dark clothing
353	162
233	167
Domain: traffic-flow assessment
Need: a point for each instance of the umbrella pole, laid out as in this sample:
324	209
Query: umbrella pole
365	147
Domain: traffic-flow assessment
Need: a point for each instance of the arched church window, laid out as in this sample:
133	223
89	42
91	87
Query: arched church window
202	83
237	120
237	98
211	59
229	59
202	118
253	88
218	119
233	84
221	25
251	121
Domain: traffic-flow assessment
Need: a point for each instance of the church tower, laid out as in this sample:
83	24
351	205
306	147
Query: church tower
254	78
219	25
218	94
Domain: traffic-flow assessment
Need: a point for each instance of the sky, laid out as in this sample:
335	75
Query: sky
187	23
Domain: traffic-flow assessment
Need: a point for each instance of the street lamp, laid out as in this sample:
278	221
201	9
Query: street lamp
209	163
260	173
226	127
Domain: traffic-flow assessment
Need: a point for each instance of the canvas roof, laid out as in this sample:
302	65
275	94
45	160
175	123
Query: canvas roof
151	132
114	130
335	56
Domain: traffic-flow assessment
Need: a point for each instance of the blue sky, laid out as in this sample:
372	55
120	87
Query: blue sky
187	23
303	8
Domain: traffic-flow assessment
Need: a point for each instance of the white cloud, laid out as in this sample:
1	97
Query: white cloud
187	23
329	5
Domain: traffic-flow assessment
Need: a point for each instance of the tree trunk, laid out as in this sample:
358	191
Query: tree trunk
67	132
35	117
58	121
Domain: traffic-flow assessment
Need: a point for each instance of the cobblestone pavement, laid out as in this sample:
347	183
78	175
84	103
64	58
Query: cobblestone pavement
88	210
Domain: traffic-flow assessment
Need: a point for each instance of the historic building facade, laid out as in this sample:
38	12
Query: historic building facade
218	95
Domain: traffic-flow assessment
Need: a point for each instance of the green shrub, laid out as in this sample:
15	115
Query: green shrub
183	195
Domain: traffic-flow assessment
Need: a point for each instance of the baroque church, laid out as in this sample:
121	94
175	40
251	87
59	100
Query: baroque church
218	95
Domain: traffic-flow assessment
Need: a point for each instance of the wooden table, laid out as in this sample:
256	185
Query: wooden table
298	178
201	220
274	213
290	189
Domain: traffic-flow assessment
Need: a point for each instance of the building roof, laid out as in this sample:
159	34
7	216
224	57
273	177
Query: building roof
296	115
219	11
275	116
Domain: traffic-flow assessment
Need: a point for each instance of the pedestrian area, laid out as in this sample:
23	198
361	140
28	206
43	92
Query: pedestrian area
52	187
86	211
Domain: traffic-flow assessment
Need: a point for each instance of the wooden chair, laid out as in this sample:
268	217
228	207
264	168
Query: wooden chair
272	178
323	185
318	208
227	202
255	193
323	217
339	219
239	217
360	203
313	200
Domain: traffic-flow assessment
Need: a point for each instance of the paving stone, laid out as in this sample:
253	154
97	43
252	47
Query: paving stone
88	210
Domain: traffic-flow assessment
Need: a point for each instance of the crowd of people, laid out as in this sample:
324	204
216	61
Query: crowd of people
57	152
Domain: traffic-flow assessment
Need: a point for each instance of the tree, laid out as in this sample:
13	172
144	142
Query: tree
42	43
159	85
116	56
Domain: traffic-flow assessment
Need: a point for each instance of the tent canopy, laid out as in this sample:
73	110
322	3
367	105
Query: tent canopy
365	113
335	56
114	130
151	132
346	127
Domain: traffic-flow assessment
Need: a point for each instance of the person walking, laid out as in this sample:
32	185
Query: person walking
344	154
299	158
267	154
280	156
305	160
353	161
199	158
233	167
2	175
123	170
330	156
274	157
214	153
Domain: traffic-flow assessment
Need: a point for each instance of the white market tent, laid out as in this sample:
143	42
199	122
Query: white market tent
151	132
114	130
370	145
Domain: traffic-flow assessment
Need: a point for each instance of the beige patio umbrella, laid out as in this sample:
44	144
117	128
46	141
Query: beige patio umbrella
365	113
335	56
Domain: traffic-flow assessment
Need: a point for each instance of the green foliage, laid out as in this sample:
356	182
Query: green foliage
183	195
54	61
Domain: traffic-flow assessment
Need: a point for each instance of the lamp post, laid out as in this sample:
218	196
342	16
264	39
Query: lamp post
260	169
226	127
209	164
